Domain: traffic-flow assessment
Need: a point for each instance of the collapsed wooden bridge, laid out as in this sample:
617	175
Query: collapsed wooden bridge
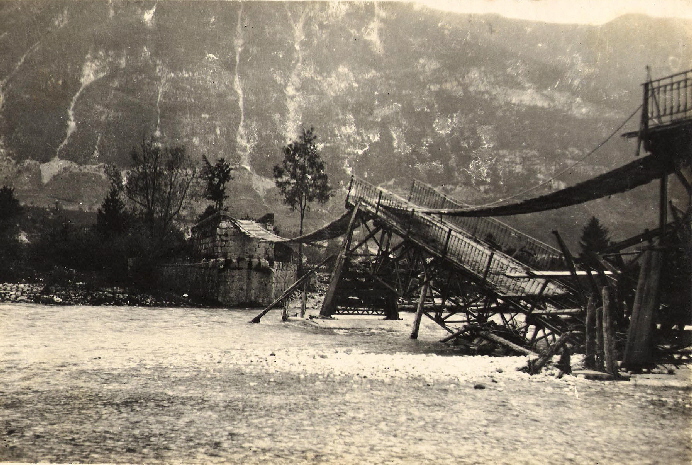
499	287
479	278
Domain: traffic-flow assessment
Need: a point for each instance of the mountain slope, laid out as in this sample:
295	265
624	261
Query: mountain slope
482	105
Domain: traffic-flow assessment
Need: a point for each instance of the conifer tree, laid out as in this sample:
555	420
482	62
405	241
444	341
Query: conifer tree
111	217
595	237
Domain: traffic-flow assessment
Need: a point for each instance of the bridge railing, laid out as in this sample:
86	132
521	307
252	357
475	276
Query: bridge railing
668	99
522	247
451	243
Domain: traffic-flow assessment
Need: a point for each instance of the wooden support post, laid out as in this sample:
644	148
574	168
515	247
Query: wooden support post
663	207
600	352
570	264
348	195
592	281
329	302
590	357
379	200
292	288
644	124
303	300
391	306
609	332
449	234
419	310
410	223
638	350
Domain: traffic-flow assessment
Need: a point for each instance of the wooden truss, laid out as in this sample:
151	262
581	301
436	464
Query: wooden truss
384	266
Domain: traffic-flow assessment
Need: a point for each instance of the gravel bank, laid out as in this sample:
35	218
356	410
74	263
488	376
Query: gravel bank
192	385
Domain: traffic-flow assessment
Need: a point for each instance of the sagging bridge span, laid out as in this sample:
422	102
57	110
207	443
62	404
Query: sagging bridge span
478	277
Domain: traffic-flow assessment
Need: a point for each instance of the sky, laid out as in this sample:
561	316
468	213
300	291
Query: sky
594	12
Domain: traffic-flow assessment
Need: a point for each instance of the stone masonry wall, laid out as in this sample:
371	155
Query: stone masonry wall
229	282
224	240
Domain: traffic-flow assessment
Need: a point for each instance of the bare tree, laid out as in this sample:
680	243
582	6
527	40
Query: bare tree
157	186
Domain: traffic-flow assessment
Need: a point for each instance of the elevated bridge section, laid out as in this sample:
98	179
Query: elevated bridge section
471	276
456	242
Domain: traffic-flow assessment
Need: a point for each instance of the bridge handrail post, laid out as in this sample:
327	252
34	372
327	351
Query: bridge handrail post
348	195
377	206
487	266
449	234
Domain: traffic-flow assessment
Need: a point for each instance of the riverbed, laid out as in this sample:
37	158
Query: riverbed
202	385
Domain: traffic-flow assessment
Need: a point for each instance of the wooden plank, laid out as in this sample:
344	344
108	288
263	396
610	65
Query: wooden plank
594	375
551	274
454	335
535	366
570	264
607	268
504	342
557	311
329	304
632	241
292	288
683	180
370	235
379	280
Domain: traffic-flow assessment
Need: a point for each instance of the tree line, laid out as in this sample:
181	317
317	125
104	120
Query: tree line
138	222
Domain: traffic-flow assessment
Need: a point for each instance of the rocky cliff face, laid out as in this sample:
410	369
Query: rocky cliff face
482	105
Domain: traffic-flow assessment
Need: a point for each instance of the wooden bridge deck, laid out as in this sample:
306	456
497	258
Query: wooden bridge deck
493	267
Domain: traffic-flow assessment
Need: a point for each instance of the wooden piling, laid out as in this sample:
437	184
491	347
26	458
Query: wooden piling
638	350
419	309
600	352
609	332
590	357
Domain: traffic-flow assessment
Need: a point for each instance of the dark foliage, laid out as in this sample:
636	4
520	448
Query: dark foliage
216	177
134	229
157	187
9	205
112	218
301	177
10	246
595	237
